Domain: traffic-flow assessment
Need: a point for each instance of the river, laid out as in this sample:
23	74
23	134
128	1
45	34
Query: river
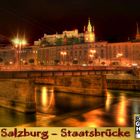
69	109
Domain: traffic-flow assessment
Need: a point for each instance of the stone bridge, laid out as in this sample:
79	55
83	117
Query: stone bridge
17	87
59	71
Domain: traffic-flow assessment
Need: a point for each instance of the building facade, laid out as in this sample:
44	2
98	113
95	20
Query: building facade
98	53
87	51
74	48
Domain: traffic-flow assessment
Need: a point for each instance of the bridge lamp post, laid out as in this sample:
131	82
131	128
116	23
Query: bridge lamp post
63	54
18	44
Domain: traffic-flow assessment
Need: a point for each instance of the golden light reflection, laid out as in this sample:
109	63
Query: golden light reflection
92	125
73	122
44	97
121	111
108	101
76	122
47	99
121	120
92	118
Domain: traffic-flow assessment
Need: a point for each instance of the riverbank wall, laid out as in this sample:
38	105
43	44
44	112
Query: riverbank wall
17	94
123	82
94	85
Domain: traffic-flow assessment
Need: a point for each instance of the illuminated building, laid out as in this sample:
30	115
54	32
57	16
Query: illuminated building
89	36
79	52
7	56
78	48
68	37
59	39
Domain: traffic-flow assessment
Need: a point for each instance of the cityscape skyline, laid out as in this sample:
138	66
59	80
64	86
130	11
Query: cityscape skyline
69	64
114	38
113	20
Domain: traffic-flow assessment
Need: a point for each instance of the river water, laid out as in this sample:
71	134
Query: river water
68	109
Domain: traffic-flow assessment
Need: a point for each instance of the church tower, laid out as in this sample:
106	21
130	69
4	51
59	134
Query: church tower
89	35
138	33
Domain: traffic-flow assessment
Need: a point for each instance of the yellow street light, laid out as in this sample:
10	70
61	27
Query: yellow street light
63	53
23	42
91	55
18	44
92	51
119	55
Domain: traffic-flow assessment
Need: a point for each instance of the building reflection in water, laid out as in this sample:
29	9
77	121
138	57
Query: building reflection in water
67	102
44	97
109	101
66	109
45	101
121	111
64	103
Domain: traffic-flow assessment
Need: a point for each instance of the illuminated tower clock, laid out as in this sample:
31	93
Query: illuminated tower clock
89	35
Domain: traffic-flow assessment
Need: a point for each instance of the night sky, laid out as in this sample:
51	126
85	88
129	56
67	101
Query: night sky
114	20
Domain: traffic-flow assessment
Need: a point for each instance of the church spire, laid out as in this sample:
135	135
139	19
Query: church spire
89	27
89	35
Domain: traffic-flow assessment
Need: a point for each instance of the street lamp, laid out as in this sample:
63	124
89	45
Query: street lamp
92	51
18	44
63	53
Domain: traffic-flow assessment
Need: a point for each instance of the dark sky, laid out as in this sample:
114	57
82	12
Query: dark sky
114	20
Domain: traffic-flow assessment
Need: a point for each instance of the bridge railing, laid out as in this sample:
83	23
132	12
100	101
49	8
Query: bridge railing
61	68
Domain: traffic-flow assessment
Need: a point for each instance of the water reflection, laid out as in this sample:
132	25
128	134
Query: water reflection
44	97
65	109
12	118
122	111
61	103
116	110
45	101
66	103
108	101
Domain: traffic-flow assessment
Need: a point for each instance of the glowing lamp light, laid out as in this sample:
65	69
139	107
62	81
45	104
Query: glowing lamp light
20	42
10	62
16	41
134	64
92	51
63	53
119	55
91	55
23	42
